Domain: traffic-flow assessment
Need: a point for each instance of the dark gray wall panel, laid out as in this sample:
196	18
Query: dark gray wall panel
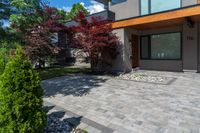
161	65
190	47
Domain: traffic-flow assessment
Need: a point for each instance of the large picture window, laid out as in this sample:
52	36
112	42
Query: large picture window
153	6
161	46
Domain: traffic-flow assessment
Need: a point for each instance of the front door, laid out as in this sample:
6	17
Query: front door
135	51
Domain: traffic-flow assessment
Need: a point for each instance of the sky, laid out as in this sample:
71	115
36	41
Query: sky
66	5
91	5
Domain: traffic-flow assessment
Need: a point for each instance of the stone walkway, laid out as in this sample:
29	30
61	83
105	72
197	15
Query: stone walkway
106	104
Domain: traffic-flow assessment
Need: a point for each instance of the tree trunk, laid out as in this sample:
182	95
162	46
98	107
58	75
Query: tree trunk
41	64
94	65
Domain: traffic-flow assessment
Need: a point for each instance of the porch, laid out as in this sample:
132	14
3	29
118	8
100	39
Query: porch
167	41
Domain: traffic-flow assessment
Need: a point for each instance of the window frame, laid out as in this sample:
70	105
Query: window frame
150	8
150	50
112	4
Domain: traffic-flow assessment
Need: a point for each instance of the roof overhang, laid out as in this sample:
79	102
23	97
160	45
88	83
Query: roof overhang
164	19
104	15
105	2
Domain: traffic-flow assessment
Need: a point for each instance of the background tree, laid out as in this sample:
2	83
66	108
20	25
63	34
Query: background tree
21	109
76	8
39	43
38	24
8	38
6	9
29	14
96	38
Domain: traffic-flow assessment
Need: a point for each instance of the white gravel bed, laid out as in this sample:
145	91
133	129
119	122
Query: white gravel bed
142	77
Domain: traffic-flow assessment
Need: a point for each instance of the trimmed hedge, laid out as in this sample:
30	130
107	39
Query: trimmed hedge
21	104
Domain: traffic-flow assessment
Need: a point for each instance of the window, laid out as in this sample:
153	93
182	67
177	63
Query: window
161	46
117	1
163	5
144	7
153	6
145	47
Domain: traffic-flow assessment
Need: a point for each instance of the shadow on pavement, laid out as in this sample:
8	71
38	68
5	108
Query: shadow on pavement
76	85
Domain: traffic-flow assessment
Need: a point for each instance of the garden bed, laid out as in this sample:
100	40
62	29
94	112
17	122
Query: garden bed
143	77
60	122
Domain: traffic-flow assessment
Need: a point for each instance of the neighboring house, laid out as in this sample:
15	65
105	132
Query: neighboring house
157	34
68	54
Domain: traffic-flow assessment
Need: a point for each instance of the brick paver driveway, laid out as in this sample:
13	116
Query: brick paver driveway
110	105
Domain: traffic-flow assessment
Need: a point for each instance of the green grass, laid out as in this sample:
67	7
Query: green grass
49	73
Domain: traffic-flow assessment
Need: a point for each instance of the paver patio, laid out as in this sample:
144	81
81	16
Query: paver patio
106	104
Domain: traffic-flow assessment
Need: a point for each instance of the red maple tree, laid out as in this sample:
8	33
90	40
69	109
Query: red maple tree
39	44
95	36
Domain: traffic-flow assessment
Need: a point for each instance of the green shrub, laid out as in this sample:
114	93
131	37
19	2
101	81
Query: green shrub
9	43
21	104
4	55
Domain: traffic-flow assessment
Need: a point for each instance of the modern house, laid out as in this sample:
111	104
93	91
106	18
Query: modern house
156	34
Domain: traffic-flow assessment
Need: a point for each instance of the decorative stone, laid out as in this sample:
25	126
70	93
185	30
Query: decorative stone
143	77
57	125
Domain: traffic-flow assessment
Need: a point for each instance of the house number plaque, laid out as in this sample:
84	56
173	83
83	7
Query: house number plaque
190	38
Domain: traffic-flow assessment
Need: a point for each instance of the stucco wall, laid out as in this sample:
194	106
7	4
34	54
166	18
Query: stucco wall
188	2
190	55
163	65
123	62
124	10
128	48
118	63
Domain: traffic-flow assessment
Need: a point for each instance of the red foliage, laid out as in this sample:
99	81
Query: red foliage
52	19
38	39
95	37
39	46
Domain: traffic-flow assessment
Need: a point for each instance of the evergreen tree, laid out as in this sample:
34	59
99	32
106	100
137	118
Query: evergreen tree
3	59
21	104
76	8
6	9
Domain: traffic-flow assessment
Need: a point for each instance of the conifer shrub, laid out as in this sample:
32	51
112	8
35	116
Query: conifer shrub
4	55
21	104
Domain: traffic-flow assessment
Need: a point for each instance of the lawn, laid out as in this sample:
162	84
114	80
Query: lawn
48	73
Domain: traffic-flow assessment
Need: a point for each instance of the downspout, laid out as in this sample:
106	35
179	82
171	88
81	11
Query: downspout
124	52
198	45
198	48
182	45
